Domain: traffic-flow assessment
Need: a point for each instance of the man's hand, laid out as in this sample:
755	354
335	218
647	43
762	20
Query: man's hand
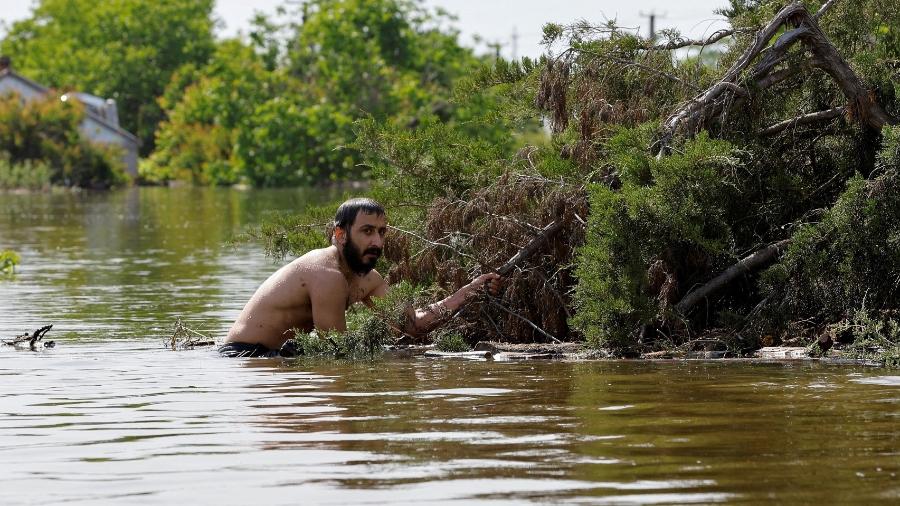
489	282
426	319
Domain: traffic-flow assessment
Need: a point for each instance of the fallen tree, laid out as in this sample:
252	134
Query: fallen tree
660	181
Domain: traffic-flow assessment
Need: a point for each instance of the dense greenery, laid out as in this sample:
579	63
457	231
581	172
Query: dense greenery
279	114
40	144
126	50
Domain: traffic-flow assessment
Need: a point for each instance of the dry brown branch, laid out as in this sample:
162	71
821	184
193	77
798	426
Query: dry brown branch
530	248
681	43
530	323
748	264
184	337
431	243
722	96
802	120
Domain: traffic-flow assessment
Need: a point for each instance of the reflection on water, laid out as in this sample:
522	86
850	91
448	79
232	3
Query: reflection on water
126	263
109	416
124	421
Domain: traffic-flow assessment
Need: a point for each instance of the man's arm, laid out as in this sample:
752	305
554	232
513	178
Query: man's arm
426	319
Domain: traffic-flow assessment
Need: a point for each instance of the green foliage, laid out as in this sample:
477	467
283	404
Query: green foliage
848	261
126	50
27	174
873	336
449	341
8	261
272	116
436	159
368	329
672	213
40	142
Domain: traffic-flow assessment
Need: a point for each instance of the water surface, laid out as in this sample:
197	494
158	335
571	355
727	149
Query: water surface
110	416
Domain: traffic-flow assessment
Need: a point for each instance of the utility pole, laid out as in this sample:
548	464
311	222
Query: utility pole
515	43
652	16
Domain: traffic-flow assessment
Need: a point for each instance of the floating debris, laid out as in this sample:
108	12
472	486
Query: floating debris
186	338
32	341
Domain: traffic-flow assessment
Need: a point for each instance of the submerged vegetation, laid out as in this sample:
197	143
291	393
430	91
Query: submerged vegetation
748	203
8	261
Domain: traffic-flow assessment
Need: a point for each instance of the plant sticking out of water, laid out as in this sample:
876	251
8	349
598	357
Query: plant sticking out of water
450	341
869	335
8	261
186	338
369	329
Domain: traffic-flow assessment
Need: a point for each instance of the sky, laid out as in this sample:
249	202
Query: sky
495	20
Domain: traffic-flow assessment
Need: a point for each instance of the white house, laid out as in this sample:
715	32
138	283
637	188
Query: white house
101	121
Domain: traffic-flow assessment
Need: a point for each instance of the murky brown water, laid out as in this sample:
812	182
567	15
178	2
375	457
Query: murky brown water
109	416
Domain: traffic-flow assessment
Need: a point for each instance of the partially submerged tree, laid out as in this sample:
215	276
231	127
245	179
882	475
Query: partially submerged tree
673	184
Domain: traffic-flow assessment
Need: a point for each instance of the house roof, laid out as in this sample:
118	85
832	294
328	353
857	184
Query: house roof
7	72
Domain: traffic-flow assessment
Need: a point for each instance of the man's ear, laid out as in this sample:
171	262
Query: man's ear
339	235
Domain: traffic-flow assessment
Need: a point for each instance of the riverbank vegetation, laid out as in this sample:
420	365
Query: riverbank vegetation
724	207
41	145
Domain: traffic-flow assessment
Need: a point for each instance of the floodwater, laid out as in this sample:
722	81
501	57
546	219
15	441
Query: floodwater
111	416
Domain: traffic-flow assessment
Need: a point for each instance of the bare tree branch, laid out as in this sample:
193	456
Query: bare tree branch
802	120
710	104
530	248
822	10
680	42
747	264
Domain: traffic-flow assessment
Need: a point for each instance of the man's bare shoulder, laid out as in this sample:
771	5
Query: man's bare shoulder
373	285
320	268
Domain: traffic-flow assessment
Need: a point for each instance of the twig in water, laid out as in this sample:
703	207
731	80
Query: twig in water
184	337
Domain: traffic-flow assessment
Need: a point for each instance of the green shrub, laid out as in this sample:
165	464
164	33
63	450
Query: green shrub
671	213
8	262
44	132
848	261
449	341
27	174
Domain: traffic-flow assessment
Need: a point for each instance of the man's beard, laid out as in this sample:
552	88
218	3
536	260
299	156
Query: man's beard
355	260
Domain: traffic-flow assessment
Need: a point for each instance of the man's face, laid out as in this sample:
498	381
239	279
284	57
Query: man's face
364	242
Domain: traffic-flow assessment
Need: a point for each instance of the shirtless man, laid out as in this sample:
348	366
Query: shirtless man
315	290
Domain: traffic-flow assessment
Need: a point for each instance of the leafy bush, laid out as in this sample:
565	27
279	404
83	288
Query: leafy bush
848	261
28	174
449	341
44	134
669	221
8	262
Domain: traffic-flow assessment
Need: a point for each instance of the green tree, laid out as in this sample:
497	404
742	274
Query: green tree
41	143
124	49
274	114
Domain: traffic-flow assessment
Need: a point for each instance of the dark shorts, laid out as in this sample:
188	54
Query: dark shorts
237	350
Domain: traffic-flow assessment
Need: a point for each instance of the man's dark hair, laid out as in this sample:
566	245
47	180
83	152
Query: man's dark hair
346	213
